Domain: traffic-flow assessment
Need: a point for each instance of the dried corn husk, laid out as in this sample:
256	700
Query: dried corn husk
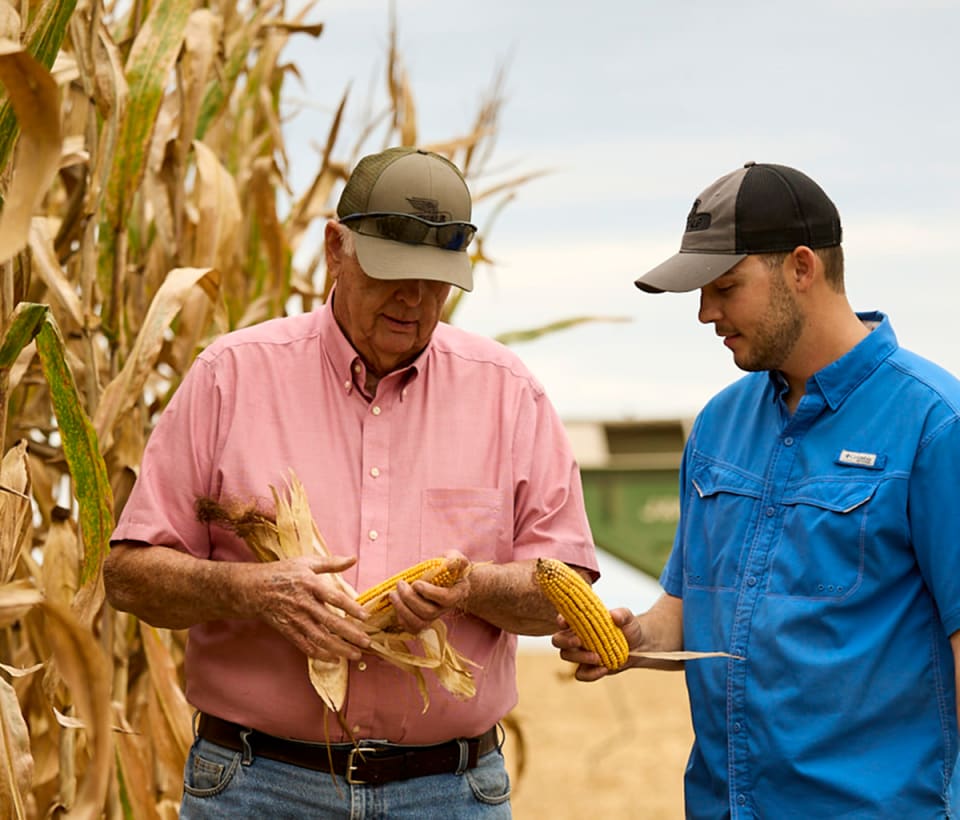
292	532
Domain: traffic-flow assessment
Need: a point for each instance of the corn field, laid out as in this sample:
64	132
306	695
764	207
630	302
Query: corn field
148	207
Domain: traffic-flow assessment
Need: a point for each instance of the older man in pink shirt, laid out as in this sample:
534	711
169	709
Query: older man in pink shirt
412	439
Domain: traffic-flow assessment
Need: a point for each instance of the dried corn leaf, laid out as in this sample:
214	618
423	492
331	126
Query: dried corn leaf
329	679
68	722
439	656
196	66
85	670
263	194
35	99
9	22
219	215
62	292
15	518
121	394
60	571
682	655
17	672
17	598
134	779
177	713
16	760
451	669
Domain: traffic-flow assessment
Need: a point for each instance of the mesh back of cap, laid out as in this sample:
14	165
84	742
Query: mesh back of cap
356	193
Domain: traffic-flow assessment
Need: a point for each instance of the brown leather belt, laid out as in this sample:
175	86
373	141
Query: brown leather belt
367	762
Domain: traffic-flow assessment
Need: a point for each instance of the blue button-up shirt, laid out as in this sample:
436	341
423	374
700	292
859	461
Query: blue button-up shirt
822	549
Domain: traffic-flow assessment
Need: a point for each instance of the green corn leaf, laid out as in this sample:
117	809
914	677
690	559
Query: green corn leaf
87	468
530	334
24	325
148	73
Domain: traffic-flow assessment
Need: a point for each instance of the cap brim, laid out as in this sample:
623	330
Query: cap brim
390	260
686	271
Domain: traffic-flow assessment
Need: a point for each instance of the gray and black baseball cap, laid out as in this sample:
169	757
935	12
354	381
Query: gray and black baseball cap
409	210
759	208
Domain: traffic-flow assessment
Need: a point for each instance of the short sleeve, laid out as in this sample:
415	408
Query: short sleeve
177	469
550	518
935	518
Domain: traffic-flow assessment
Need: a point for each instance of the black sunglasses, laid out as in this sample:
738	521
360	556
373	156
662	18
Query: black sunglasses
412	229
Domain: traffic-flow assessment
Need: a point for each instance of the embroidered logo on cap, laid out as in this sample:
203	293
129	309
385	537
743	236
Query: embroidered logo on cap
697	220
428	209
860	459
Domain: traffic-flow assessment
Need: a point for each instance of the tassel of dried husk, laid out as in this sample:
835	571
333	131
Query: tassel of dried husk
292	533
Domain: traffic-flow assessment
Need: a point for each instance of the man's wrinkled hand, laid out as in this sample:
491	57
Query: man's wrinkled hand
300	599
421	603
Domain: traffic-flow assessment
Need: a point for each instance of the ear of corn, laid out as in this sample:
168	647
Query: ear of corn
583	610
443	572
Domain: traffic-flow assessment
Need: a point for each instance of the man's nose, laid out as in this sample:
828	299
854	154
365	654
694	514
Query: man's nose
410	291
709	312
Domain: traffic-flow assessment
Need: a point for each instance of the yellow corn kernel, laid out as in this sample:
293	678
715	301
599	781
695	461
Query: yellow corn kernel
583	610
439	571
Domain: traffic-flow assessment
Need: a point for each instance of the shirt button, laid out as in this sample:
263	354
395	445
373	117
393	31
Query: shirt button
357	367
356	728
376	410
362	666
737	727
741	799
788	441
770	512
751	581
373	535
346	385
375	471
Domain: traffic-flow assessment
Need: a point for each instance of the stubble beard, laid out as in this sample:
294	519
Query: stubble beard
777	333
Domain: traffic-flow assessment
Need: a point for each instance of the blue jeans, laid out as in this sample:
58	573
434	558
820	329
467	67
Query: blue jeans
219	783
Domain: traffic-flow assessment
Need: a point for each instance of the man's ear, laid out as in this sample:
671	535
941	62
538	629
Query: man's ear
803	267
333	248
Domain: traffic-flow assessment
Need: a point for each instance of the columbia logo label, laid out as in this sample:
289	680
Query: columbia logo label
863	459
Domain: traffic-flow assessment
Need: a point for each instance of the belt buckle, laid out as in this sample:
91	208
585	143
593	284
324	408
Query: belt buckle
352	764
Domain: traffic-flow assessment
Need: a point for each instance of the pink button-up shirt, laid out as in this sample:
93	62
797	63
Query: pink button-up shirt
460	450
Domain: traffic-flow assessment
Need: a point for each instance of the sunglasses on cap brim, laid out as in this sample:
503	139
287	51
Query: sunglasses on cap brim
412	229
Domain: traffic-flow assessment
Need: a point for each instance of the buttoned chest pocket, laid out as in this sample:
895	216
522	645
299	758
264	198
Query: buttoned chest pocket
471	520
820	552
718	523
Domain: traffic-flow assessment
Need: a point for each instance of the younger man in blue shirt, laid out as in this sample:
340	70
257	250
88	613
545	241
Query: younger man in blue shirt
819	537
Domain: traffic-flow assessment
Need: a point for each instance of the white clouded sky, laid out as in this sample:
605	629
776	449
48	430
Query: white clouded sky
636	106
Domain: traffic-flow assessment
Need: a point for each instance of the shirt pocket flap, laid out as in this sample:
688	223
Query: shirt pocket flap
712	479
836	495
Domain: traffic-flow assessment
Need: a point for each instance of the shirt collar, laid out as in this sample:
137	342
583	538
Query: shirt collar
838	379
345	361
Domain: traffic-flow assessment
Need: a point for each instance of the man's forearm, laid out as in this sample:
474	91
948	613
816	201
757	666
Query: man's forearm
508	596
184	590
